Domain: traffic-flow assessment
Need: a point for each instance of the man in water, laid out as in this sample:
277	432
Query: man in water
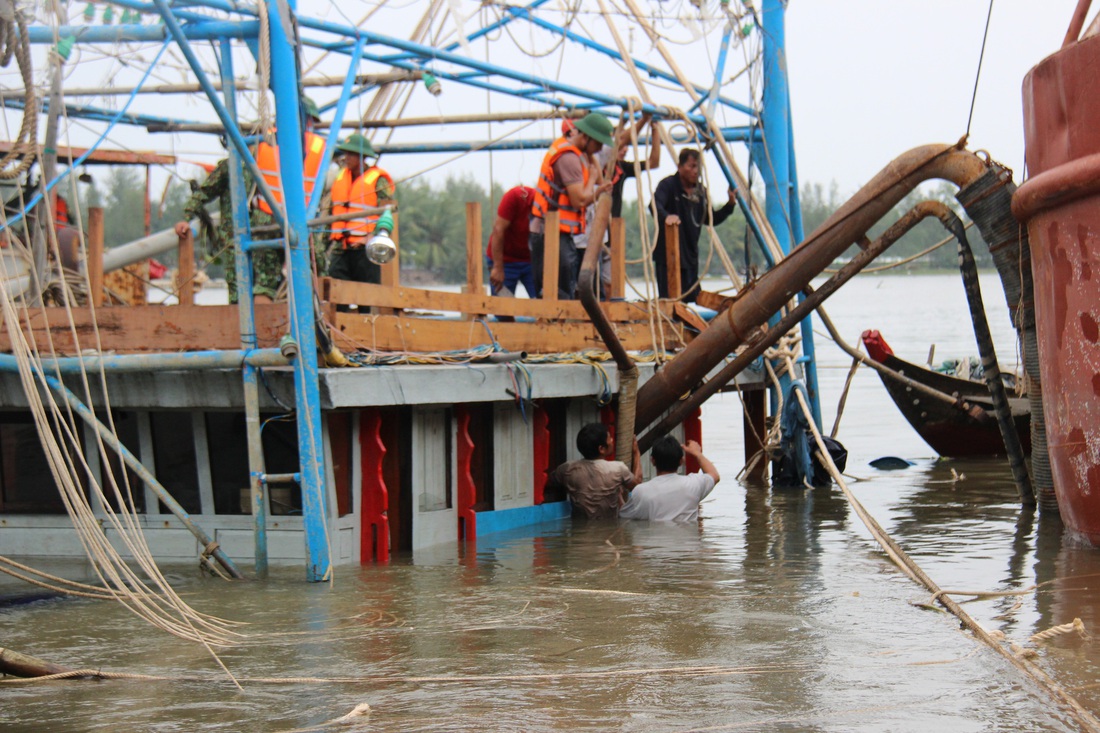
597	484
671	497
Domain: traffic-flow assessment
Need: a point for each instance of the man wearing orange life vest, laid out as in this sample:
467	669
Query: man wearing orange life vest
568	182
355	188
313	147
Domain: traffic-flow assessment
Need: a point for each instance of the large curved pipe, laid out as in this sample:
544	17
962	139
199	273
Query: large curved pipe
760	342
588	286
755	305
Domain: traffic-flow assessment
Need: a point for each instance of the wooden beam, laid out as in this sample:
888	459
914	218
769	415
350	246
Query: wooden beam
550	254
407	333
151	328
391	271
618	258
337	292
475	283
756	432
672	260
99	155
94	261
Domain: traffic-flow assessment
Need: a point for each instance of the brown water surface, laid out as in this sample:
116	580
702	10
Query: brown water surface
777	612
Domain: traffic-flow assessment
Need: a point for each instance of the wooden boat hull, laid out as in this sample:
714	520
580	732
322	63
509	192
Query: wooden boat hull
950	431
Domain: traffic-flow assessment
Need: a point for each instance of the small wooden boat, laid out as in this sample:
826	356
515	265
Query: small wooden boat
966	427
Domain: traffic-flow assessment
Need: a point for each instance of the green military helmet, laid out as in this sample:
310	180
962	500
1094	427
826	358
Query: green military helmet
310	108
356	143
597	127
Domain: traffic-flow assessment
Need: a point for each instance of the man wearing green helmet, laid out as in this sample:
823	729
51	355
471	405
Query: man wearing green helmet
357	187
568	182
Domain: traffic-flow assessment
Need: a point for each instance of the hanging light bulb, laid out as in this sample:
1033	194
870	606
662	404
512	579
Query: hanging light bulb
108	15
432	83
381	249
89	13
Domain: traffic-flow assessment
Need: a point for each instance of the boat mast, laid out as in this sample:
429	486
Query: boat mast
778	167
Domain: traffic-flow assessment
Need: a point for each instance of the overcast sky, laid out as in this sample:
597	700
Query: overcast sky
871	79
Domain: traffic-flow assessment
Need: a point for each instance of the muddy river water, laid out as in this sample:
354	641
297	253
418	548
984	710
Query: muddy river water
778	611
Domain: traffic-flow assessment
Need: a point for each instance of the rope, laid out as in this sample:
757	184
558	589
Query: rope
978	72
1077	625
908	566
25	144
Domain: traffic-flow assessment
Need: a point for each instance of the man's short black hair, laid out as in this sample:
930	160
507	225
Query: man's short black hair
591	438
688	153
666	453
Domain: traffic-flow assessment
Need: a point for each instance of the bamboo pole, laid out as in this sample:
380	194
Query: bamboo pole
24	665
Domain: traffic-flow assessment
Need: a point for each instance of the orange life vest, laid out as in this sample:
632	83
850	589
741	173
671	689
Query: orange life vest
549	196
267	160
349	196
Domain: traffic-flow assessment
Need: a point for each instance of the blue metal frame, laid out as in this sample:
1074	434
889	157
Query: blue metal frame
246	316
778	166
190	20
288	120
334	130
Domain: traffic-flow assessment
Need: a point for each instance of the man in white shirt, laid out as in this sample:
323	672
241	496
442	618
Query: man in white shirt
670	497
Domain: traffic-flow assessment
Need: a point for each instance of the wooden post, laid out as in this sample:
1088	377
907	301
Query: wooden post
550	255
185	273
475	281
672	259
618	258
756	431
94	260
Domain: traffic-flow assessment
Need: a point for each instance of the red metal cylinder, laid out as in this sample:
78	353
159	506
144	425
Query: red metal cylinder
1060	204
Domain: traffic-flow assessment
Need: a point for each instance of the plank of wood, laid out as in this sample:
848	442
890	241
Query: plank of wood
346	292
95	255
404	333
672	260
151	328
618	258
551	253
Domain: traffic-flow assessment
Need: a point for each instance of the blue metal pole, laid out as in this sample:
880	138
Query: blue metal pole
205	31
231	128
778	162
187	361
284	85
246	317
810	366
334	131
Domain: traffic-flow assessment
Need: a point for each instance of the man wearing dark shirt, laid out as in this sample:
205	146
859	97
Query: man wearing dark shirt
681	199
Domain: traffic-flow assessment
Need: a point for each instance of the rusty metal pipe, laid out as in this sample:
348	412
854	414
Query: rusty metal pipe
768	294
764	341
588	286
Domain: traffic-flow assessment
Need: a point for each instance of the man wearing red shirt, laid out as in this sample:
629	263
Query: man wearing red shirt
508	252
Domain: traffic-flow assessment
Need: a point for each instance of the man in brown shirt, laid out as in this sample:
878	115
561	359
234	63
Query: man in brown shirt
597	484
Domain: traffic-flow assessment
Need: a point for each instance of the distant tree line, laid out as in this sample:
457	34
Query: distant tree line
432	224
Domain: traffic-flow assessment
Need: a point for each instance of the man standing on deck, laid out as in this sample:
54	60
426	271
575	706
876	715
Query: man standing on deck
596	484
509	252
567	184
681	199
355	188
670	497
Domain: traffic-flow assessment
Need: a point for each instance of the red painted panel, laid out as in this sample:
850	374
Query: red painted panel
374	541
465	489
693	430
540	424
